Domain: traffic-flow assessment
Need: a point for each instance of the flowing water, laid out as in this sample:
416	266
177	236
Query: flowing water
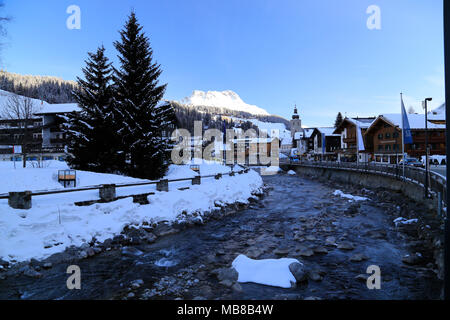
296	216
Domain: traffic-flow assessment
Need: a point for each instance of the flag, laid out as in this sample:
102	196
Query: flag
324	141
406	130
360	138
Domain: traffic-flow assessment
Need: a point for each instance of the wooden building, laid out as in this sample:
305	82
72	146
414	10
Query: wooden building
386	134
348	150
326	143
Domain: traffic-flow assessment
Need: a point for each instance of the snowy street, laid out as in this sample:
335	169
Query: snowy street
336	231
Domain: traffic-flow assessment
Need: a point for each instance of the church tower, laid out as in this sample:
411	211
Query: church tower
296	122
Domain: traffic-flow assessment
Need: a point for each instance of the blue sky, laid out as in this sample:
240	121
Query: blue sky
273	53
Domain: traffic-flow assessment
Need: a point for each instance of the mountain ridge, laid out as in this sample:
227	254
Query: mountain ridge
227	99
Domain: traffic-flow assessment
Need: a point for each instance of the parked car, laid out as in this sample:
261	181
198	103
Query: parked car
294	159
413	162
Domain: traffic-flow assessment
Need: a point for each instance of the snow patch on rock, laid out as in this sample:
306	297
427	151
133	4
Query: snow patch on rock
271	272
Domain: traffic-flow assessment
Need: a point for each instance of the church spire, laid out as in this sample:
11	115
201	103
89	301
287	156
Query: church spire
295	115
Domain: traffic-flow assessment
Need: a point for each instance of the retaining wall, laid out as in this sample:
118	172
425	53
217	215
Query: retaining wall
368	180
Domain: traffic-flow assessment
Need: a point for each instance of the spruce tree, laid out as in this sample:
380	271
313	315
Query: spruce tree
92	131
137	93
338	121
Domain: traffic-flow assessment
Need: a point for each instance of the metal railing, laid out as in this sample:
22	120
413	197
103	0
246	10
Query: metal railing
123	185
437	183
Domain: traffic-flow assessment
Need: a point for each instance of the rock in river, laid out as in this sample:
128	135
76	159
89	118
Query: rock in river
298	271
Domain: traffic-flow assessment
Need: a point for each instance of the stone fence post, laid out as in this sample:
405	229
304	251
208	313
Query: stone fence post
196	180
20	200
163	185
107	192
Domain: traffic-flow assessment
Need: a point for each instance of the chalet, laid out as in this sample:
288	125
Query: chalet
326	143
386	134
303	141
45	139
286	145
347	129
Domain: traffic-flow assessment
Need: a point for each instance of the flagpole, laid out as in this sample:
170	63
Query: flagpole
403	135
357	145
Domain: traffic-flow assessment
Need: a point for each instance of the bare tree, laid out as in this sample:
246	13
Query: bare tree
411	110
21	109
3	20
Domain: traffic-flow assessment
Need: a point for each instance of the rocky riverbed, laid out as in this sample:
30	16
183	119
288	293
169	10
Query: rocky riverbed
336	240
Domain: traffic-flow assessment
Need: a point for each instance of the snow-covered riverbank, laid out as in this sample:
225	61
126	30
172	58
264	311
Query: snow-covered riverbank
51	226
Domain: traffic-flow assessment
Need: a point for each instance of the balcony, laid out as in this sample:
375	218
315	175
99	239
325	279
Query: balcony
349	140
58	141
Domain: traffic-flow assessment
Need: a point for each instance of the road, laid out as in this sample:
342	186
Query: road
299	218
442	170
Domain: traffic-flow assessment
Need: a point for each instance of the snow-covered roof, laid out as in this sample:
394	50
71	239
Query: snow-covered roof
438	113
307	132
416	121
363	123
328	131
6	98
286	140
59	108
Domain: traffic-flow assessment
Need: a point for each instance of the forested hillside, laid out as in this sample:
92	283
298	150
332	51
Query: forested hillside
213	117
50	89
57	90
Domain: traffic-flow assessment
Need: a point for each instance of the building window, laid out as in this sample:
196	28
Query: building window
380	136
388	147
380	147
395	135
387	135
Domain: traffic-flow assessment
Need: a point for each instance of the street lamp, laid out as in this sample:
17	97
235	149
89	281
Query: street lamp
424	104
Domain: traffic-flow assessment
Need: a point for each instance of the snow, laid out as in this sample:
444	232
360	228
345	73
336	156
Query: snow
5	98
291	173
363	123
221	99
438	113
271	272
55	223
328	131
39	106
60	108
46	178
270	170
402	220
438	158
416	121
349	196
306	133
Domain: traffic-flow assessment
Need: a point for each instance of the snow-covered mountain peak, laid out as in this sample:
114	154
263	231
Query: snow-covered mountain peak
221	99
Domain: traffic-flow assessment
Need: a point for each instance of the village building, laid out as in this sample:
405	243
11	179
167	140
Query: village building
303	142
326	144
296	123
348	151
286	145
46	139
386	134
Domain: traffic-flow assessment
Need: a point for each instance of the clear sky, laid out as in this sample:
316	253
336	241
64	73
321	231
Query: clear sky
318	54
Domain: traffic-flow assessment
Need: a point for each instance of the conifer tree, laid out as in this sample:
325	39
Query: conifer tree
137	96
338	121
92	132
